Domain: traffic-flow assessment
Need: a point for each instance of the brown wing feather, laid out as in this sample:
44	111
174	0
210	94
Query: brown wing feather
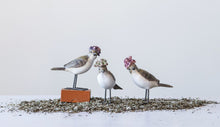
147	75
78	62
111	75
115	86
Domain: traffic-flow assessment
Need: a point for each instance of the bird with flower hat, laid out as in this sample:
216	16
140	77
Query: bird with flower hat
105	78
80	65
142	78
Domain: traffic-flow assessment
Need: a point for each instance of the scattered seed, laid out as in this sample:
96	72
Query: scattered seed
117	105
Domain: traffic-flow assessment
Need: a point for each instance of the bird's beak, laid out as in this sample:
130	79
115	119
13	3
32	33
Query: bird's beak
95	54
133	68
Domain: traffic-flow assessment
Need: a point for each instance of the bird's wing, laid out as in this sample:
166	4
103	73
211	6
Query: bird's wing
78	62
147	75
111	75
115	86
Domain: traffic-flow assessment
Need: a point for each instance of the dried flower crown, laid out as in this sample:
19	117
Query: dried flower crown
129	61
95	49
101	63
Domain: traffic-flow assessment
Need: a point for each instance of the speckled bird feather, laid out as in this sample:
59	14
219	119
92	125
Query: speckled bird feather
78	62
147	75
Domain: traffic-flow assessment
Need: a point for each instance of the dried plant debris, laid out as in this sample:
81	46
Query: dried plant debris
117	105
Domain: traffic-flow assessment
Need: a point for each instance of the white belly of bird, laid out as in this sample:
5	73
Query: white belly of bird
80	70
141	82
105	80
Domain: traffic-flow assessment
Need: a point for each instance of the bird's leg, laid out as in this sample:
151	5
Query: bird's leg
75	80
105	95
74	85
148	97
110	94
145	98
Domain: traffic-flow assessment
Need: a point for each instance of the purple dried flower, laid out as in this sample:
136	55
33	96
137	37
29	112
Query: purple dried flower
95	49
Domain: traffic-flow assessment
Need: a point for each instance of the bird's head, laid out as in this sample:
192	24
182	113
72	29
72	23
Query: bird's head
95	50
102	65
130	63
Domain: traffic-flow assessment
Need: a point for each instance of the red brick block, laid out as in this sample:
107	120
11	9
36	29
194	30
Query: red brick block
68	95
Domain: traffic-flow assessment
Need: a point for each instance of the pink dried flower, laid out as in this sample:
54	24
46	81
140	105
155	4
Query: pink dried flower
129	61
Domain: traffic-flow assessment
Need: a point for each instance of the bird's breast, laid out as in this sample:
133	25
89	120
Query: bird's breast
140	81
105	80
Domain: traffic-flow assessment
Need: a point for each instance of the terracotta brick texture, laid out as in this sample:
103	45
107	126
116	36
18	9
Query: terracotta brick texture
74	96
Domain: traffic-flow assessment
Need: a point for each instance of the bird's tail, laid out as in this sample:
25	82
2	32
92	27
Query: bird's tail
117	87
58	68
164	85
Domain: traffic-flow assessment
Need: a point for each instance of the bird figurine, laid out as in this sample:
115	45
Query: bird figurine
105	78
142	78
80	65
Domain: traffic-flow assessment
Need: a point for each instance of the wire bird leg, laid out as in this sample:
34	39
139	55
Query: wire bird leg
110	95
105	95
75	81
147	93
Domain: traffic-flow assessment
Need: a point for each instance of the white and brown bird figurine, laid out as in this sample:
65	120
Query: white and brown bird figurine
105	78
142	78
80	65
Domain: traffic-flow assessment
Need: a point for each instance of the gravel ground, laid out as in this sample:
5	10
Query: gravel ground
117	105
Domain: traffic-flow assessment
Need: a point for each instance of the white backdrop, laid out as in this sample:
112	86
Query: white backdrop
177	41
